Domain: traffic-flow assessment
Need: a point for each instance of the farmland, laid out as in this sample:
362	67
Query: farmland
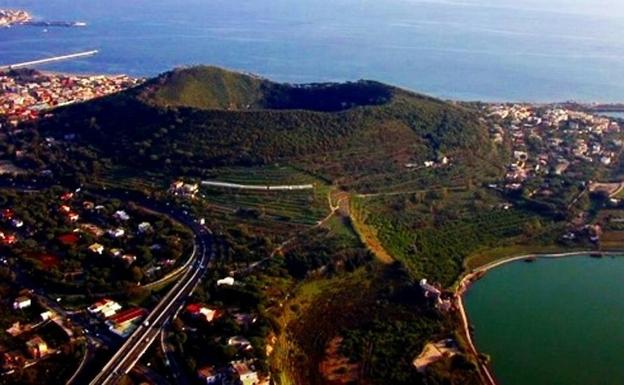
276	214
434	232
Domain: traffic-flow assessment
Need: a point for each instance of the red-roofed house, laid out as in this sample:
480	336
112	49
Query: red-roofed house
8	214
68	239
125	322
127	315
66	196
9	239
193	308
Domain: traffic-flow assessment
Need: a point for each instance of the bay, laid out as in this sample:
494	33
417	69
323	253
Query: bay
488	50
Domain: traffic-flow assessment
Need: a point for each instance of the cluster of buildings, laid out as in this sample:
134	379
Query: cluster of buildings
117	230
28	338
441	301
11	221
9	17
115	234
36	349
119	321
433	163
26	95
182	189
237	373
551	141
241	371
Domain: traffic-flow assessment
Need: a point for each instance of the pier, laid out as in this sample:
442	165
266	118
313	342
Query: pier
48	60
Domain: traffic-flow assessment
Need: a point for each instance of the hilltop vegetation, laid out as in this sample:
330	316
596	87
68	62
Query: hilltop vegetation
204	88
213	88
359	135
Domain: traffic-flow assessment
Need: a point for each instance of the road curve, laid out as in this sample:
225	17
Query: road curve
138	342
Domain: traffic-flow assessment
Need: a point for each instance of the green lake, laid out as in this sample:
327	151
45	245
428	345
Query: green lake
552	321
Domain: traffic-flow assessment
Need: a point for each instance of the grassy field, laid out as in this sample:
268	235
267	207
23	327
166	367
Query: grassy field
489	255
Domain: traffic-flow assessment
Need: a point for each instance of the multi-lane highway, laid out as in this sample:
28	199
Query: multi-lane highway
138	342
127	356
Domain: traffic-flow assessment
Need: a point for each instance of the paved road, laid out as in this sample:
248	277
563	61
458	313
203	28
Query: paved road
137	344
262	187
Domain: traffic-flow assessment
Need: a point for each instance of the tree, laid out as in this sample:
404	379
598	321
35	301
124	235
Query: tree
137	274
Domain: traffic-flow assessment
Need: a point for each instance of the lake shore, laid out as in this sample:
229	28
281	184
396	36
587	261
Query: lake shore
474	275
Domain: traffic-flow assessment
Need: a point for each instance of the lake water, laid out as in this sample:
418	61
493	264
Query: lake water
552	321
460	49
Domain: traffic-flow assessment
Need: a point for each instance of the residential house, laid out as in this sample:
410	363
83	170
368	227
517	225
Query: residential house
245	373
209	375
240	342
37	347
125	322
92	229
129	259
66	196
22	302
96	248
105	307
121	215
145	227
227	281
116	233
73	216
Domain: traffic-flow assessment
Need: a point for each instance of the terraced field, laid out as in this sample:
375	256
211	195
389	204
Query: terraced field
269	175
266	212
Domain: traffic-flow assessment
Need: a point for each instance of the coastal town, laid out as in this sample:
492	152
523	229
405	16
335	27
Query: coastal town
338	215
9	17
551	143
27	94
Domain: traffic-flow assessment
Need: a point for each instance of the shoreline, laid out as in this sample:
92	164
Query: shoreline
476	274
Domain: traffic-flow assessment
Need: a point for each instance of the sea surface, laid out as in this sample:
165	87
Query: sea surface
552	321
520	50
609	114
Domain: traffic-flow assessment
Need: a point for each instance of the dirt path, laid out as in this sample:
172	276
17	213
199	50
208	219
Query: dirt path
368	235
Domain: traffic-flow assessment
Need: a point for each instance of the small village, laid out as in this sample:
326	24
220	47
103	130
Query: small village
560	155
26	95
9	17
90	231
550	141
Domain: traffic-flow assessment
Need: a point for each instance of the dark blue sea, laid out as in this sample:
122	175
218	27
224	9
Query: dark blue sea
521	50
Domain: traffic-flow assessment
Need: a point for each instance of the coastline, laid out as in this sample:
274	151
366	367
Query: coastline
476	274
